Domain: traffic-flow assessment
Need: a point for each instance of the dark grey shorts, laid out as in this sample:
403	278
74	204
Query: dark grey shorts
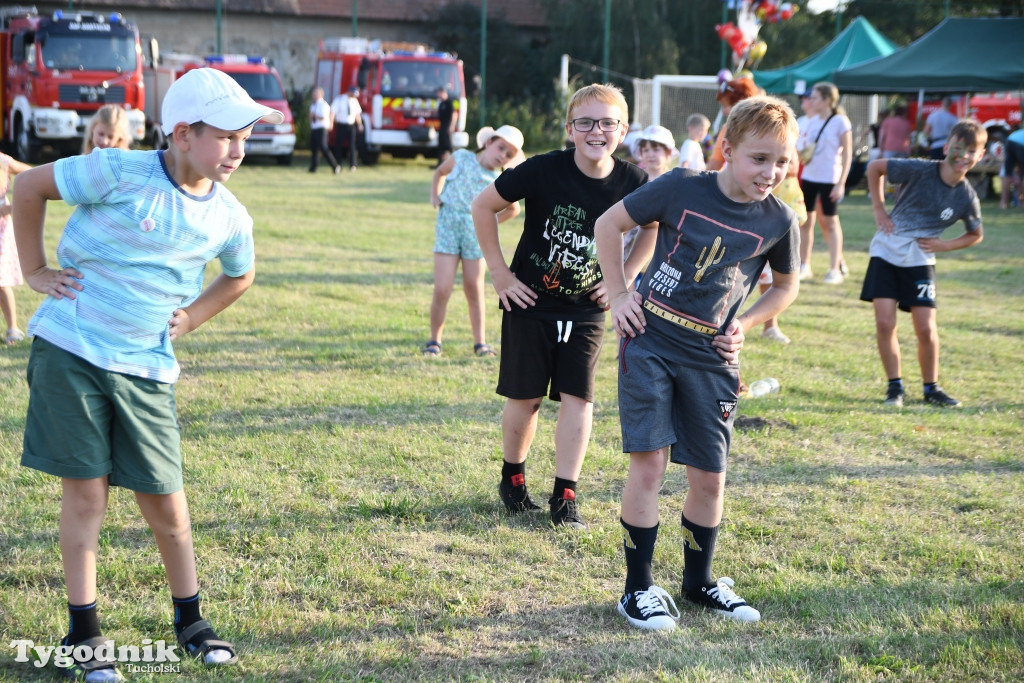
664	404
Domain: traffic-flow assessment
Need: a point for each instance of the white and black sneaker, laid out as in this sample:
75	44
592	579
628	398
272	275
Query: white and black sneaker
652	609
720	597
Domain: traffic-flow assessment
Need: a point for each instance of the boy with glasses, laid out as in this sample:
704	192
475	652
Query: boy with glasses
553	294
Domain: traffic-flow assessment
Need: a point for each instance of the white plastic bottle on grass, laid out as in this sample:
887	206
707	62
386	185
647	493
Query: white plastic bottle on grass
763	387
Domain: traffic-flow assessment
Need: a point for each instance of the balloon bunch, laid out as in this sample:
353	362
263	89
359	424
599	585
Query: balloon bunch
772	12
747	50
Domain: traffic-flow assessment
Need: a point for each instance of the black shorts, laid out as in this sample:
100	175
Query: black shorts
536	352
814	191
911	286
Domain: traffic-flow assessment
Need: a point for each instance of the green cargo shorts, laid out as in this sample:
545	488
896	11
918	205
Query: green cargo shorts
84	422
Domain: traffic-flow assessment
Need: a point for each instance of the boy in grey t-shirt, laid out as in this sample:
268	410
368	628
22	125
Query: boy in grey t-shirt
682	331
901	274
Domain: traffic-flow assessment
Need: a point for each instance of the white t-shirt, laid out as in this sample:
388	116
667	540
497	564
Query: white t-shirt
321	112
827	164
691	155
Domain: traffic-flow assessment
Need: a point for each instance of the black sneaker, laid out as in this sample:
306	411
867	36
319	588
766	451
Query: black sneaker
515	496
938	397
565	511
652	609
720	597
894	396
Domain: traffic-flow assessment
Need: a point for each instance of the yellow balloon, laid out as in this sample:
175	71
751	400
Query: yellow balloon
744	73
757	50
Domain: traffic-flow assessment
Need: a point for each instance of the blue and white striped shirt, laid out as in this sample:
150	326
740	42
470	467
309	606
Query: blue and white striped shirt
142	244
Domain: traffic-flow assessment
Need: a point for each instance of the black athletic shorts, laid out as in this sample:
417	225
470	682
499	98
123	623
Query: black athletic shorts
910	286
814	191
535	353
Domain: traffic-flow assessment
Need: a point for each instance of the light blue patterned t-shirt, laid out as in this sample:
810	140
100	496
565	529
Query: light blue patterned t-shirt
142	244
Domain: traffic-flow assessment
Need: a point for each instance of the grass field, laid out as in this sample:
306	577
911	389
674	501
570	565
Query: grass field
343	488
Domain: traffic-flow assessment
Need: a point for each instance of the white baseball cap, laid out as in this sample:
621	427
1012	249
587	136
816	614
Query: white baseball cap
215	98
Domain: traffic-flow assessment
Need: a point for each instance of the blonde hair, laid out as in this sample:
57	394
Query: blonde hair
114	118
600	92
830	93
761	116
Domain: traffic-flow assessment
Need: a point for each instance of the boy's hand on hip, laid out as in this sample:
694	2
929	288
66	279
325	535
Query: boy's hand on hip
628	314
180	324
59	284
730	342
511	290
599	295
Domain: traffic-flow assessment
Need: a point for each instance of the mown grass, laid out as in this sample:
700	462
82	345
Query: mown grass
343	489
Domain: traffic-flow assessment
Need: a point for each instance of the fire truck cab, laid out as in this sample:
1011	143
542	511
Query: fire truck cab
398	85
57	70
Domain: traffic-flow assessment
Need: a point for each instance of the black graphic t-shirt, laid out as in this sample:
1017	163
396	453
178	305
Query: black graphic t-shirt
709	254
556	256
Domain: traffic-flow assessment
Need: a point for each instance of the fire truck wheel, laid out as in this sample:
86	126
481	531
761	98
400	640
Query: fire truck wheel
26	148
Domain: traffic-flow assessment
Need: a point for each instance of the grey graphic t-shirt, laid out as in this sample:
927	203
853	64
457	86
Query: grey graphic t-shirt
709	254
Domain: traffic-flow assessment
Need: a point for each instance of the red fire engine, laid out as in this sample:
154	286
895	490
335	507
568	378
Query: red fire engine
57	70
397	91
253	73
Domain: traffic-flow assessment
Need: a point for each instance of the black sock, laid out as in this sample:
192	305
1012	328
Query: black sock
186	612
82	623
564	489
638	544
896	382
698	551
510	470
929	387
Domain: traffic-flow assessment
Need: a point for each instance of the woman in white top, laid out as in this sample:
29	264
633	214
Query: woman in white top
823	178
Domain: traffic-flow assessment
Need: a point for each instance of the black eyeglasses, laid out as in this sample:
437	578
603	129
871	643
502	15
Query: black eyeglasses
587	125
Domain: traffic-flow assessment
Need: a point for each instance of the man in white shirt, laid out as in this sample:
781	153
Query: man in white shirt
319	126
348	120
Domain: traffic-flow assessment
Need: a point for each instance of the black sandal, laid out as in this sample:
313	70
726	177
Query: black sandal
483	350
79	671
432	349
200	650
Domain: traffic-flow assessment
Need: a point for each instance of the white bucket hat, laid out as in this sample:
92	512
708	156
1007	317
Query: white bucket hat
509	134
659	134
215	98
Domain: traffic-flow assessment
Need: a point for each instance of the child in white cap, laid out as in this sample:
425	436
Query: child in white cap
128	284
457	181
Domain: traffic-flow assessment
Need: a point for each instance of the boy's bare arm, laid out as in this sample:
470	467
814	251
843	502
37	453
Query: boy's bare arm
876	187
627	313
936	244
222	292
785	287
485	209
36	186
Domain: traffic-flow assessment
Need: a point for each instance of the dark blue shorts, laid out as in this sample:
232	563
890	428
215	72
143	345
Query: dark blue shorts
910	286
667	404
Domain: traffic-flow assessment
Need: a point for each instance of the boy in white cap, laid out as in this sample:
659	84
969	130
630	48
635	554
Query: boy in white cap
101	374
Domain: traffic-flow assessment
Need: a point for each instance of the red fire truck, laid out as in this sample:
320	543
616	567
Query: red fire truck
253	73
397	91
57	70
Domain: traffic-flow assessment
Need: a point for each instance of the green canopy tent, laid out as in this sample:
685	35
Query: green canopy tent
857	43
960	55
